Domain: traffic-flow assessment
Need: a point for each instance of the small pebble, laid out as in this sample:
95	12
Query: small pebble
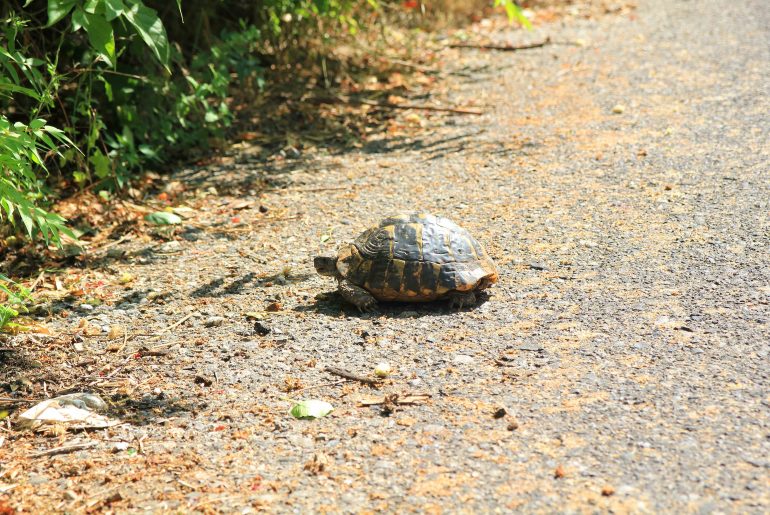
214	321
462	359
619	109
261	329
170	246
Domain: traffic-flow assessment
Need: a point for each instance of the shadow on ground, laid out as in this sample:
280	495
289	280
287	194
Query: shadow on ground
330	303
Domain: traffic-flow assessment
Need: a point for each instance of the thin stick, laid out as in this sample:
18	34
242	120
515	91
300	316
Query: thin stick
321	385
37	281
113	243
302	190
409	64
503	48
389	105
458	110
157	348
177	324
11	399
63	450
349	375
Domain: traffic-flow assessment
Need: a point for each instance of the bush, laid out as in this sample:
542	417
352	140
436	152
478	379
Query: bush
93	91
129	82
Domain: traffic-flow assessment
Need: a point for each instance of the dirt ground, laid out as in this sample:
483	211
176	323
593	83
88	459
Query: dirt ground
620	178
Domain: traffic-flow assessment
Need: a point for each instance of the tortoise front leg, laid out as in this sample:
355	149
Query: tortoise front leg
357	296
458	299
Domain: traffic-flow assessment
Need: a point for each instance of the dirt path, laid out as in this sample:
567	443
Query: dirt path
622	186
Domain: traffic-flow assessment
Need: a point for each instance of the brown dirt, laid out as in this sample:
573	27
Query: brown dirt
627	340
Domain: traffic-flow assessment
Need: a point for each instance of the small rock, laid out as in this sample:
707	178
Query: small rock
205	381
462	359
214	321
532	347
383	370
37	479
537	266
263	209
608	491
120	446
86	307
415	382
261	329
170	246
618	109
499	413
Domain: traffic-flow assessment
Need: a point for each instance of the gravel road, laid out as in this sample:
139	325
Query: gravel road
623	187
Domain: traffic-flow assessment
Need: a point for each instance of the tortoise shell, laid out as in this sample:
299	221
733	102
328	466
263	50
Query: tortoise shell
417	257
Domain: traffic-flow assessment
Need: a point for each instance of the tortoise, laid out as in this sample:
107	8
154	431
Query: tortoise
413	258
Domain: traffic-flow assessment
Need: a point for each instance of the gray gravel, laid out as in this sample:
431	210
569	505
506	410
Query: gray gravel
627	340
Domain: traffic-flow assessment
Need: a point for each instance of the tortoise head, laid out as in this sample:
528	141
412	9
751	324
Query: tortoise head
326	265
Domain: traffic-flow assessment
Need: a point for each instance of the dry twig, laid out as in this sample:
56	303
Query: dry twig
66	449
349	375
390	105
503	48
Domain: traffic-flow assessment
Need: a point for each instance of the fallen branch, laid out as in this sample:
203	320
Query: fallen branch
503	48
335	383
390	105
400	400
12	400
63	450
410	64
307	190
349	375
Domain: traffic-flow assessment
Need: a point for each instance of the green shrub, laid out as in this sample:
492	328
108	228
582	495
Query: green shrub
16	298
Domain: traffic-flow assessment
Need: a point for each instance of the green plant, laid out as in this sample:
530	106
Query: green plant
24	146
16	298
514	12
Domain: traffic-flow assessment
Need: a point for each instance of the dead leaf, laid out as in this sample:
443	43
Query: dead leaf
319	463
406	421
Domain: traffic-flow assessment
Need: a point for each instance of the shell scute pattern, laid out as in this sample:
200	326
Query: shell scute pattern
416	257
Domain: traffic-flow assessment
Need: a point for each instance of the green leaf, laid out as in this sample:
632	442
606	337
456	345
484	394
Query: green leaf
80	178
101	164
210	117
6	314
36	124
91	6
514	12
310	409
58	9
163	218
78	19
151	30
100	36
113	9
4	86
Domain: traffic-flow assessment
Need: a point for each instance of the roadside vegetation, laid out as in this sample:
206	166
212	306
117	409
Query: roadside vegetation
93	93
